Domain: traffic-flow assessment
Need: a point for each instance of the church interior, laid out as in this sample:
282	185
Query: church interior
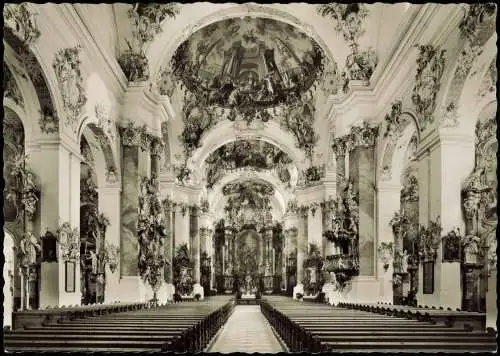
221	177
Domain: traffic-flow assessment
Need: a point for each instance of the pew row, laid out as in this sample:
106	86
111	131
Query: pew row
308	327
40	317
185	327
460	319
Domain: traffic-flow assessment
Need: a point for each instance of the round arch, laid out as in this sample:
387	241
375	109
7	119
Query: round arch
165	44
271	133
395	150
104	142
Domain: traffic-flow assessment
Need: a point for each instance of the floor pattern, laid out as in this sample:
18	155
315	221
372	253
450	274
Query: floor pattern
247	330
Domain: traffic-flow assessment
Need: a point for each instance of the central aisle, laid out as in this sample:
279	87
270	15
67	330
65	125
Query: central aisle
247	330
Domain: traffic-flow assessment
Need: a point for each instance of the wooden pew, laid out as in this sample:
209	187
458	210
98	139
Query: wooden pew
314	328
169	328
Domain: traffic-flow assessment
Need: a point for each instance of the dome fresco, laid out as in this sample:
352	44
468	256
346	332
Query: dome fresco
248	62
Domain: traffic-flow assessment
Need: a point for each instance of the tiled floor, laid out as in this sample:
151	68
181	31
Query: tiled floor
247	330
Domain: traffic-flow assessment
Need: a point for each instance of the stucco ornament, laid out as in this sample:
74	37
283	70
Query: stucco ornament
102	114
348	19
27	188
473	190
146	19
11	89
49	122
449	116
69	242
393	122
22	22
362	136
430	68
67	68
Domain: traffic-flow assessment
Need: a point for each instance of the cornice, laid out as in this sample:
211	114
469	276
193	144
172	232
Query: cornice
111	68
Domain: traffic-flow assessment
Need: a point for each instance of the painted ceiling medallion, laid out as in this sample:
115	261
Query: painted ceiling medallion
430	68
22	21
248	62
67	67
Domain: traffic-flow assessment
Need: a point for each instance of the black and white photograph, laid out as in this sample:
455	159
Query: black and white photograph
250	177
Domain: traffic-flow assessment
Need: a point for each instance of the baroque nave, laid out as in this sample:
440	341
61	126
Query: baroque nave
245	177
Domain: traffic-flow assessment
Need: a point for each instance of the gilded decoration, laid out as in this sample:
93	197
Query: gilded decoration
256	154
69	242
152	230
239	62
11	89
146	20
67	68
248	202
430	68
22	21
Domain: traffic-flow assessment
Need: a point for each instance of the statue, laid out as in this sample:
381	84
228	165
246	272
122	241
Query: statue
93	258
267	270
404	262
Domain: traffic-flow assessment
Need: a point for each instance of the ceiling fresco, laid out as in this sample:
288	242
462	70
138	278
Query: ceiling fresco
247	61
259	155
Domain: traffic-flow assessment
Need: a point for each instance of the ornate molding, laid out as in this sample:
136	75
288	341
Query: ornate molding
362	136
27	187
449	116
410	192
339	146
393	122
49	122
135	136
67	68
111	177
11	89
22	22
430	69
348	19
157	147
102	114
476	15
164	83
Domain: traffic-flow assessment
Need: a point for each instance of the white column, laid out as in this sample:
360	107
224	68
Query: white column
388	202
